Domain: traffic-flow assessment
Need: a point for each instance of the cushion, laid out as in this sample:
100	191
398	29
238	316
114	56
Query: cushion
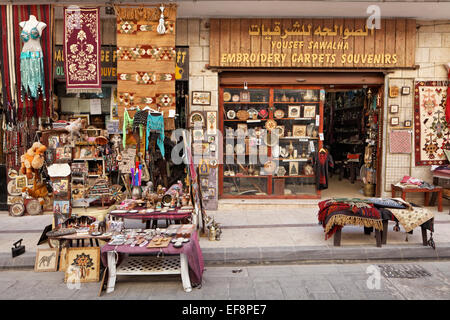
386	203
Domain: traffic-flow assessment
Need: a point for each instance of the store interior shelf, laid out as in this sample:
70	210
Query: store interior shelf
242	102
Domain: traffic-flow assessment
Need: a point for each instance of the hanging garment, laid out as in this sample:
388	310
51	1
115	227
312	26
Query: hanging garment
127	130
32	73
321	161
156	123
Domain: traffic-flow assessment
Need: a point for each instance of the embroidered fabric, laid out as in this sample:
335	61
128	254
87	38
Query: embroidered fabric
32	73
156	123
33	34
128	127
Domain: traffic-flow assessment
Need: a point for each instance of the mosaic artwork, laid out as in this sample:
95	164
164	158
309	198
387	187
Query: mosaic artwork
431	134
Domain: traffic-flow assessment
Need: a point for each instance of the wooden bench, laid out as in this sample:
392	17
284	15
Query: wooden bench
405	190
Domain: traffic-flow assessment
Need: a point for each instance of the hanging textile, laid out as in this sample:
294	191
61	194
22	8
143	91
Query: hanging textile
82	50
400	141
432	135
145	59
447	105
156	123
30	104
4	58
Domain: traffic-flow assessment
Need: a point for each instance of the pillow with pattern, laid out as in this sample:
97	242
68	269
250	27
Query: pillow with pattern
386	203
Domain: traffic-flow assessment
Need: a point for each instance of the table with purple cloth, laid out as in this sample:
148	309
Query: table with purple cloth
190	255
149	217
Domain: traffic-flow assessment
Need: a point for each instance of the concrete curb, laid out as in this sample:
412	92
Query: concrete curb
289	254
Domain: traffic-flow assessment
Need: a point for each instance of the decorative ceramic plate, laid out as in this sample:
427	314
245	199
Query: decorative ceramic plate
12	174
271	124
196	119
231	114
17	209
281	171
226	96
213	163
242	115
12	190
308	170
253	113
279	130
235	98
34	207
270	167
278	114
263	113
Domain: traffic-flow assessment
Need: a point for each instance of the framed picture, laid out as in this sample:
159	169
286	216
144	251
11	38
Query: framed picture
84	117
63	260
83	265
197	134
46	260
201	98
294	111
61	207
196	120
53	142
406	91
203	167
245	96
309	111
212	192
393	108
407	123
61	187
63	153
394	121
299	130
21	182
211	122
293	168
393	92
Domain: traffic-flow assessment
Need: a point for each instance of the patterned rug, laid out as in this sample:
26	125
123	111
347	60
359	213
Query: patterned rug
431	133
82	50
145	60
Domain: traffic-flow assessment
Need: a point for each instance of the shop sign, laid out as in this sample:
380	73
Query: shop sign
108	61
182	63
317	43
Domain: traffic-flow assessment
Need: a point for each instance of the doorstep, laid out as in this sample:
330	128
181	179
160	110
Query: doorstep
225	204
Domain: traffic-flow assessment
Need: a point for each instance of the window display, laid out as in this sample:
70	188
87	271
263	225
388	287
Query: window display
269	136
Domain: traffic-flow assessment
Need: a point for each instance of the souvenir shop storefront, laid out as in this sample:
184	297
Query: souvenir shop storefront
302	104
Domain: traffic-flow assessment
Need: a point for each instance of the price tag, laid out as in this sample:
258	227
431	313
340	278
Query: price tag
321	136
250	121
317	120
311	146
303	140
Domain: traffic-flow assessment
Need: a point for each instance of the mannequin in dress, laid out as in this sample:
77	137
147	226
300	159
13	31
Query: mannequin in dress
27	26
31	58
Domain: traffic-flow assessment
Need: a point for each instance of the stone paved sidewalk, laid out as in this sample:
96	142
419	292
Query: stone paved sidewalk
258	236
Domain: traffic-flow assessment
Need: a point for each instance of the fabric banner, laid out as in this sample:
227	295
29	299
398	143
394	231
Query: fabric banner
43	13
432	136
82	50
145	60
400	141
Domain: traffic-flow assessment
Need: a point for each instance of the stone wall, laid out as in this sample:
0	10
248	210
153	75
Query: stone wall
195	34
432	51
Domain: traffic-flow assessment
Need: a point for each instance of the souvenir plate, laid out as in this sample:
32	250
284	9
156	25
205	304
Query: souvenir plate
270	139
213	163
34	207
271	124
17	209
270	166
12	190
281	171
12	174
278	114
279	130
263	113
242	115
235	98
253	113
226	96
308	170
231	114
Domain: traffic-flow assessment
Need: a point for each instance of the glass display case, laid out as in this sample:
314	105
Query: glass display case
270	135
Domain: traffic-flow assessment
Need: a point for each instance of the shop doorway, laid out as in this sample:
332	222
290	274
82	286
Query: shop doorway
352	124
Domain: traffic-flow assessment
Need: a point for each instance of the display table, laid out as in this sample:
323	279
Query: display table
426	192
187	261
80	239
150	217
